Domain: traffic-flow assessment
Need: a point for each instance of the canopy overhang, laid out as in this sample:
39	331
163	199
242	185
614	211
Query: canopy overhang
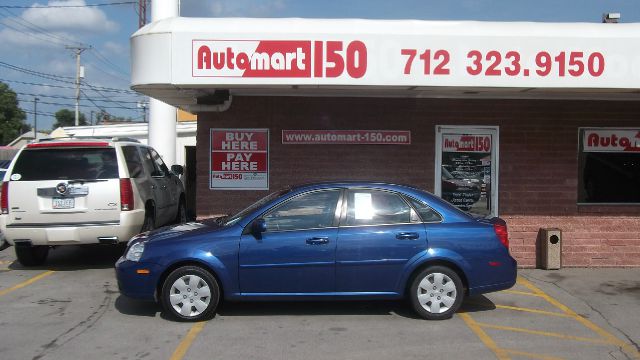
183	61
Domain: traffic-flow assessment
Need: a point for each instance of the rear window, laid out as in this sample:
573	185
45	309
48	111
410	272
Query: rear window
66	164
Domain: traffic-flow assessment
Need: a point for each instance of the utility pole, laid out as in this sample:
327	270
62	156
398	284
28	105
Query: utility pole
35	119
78	50
142	13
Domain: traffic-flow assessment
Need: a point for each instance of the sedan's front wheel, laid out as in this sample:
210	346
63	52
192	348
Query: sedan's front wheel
190	293
436	293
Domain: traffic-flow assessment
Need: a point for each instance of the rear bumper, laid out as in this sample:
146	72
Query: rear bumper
74	234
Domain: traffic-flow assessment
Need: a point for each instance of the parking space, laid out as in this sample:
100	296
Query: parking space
71	309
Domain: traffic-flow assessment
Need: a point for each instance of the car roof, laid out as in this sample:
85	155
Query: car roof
351	183
81	141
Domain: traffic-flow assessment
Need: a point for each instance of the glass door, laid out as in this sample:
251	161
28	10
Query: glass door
467	168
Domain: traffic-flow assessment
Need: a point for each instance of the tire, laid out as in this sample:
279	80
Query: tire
179	286
436	293
32	255
181	216
149	221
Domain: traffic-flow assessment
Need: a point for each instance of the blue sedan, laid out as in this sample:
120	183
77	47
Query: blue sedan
340	240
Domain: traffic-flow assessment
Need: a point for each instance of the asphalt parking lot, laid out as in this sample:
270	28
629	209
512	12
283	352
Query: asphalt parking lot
71	309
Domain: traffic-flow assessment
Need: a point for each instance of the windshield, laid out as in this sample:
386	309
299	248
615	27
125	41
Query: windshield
239	216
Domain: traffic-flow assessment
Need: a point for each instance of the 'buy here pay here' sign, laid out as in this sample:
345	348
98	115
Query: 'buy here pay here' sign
240	159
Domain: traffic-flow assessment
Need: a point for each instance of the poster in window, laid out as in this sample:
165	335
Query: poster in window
239	159
466	171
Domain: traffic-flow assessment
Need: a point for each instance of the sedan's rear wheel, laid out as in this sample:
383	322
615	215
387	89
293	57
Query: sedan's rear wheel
31	255
190	293
436	293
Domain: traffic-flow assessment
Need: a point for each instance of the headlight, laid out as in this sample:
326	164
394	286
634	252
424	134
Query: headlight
135	251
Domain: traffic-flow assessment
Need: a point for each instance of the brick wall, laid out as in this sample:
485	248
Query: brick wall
538	161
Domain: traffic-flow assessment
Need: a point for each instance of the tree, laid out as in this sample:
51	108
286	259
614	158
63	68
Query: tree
66	117
11	116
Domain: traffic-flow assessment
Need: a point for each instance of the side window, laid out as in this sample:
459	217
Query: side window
374	207
308	211
159	163
148	163
134	162
426	213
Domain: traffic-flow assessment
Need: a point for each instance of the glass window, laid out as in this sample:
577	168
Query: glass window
67	164
374	207
426	213
148	163
159	163
308	211
134	162
609	166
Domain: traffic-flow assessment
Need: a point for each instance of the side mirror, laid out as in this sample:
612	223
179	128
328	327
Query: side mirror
259	226
177	169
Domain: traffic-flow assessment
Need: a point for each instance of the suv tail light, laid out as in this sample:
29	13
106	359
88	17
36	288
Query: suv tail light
4	195
126	195
502	234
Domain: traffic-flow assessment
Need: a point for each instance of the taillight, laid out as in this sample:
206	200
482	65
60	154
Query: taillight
503	235
126	195
4	198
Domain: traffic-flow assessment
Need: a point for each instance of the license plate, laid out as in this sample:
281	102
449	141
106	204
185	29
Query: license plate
63	203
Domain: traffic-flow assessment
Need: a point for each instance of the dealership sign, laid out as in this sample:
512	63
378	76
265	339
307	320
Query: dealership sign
611	140
239	159
362	137
231	53
475	143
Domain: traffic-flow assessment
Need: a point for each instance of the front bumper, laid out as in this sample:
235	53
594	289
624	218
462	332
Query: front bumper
135	285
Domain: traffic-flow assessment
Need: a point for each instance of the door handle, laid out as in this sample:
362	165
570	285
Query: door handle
318	240
407	236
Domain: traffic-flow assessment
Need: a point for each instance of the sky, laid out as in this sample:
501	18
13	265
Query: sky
35	36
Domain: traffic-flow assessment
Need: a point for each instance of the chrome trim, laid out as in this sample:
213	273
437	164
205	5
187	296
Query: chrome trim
48	225
70	191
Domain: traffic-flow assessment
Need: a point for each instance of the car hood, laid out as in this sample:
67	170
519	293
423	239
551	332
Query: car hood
174	231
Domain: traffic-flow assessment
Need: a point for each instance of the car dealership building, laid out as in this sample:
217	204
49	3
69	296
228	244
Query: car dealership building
538	123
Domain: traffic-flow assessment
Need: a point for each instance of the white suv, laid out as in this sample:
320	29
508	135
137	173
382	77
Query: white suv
84	191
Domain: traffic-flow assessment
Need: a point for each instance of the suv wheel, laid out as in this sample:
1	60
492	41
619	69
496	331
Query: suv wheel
436	293
181	217
149	221
190	293
31	255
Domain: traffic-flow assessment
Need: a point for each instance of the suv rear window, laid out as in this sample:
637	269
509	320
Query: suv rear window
67	164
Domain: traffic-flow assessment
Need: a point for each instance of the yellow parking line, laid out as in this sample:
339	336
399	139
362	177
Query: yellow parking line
531	355
25	283
486	339
184	345
600	331
546	333
520	293
536	311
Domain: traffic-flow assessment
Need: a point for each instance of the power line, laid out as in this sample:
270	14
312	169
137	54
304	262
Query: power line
65	6
72	97
98	55
105	89
71	105
34	27
37	73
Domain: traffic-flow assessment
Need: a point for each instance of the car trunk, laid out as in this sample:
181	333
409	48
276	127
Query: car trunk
64	186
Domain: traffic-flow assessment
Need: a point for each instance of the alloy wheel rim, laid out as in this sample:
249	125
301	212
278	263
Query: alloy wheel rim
436	293
190	295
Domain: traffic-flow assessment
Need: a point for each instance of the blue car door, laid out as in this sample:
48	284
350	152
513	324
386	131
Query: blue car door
296	254
377	237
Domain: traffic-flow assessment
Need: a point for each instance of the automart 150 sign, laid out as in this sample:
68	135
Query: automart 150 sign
240	159
407	59
611	140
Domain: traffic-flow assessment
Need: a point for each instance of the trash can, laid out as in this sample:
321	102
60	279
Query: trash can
551	248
